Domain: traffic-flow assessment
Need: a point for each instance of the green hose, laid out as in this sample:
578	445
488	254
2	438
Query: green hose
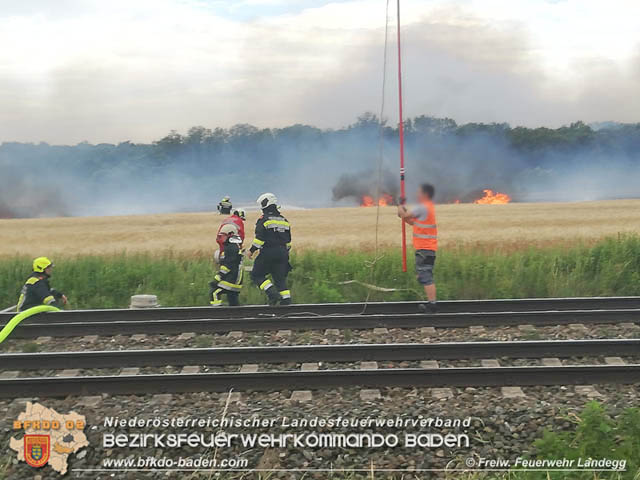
15	321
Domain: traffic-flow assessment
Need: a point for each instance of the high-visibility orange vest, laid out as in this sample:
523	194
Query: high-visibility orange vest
425	232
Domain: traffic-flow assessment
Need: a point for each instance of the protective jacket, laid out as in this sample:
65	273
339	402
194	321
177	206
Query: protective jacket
230	274
232	220
228	280
271	268
425	231
36	291
272	231
224	207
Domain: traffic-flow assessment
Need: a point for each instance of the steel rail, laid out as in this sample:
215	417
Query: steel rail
325	379
354	322
318	353
379	308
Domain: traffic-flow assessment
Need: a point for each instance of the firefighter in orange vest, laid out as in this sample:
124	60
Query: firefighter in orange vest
425	241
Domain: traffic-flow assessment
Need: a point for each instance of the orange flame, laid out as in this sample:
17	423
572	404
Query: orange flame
493	198
383	201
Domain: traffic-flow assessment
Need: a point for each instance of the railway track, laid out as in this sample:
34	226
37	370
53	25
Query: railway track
318	353
393	377
324	379
344	309
491	313
50	325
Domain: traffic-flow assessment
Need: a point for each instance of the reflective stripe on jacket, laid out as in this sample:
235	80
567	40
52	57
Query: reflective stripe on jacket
425	232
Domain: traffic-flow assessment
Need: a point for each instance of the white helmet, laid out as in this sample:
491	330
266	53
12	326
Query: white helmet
239	212
228	229
267	199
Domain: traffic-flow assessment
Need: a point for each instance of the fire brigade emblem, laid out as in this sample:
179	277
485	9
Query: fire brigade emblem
36	450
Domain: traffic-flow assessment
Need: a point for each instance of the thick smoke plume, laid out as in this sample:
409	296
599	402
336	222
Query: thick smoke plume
309	167
355	186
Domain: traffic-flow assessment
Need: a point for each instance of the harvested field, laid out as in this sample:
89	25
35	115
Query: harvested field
506	227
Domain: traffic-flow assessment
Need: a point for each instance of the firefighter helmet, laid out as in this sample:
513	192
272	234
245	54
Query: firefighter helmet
266	200
239	212
40	264
228	229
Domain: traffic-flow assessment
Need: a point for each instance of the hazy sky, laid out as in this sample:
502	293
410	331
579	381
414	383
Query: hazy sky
114	70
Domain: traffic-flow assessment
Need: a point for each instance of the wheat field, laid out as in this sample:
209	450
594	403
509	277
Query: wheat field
507	227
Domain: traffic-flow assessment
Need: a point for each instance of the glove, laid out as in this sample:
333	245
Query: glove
56	294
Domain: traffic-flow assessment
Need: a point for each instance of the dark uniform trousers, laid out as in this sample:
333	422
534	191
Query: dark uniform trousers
273	261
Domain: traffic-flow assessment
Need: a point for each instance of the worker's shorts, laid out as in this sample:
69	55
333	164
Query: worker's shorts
425	260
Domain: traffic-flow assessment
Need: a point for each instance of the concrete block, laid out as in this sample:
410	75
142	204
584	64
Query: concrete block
588	391
301	396
512	392
163	398
490	363
368	365
551	362
190	369
429	364
614	361
130	371
370	395
441	393
91	402
232	397
144	301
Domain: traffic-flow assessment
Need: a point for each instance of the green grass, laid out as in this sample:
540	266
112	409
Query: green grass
610	267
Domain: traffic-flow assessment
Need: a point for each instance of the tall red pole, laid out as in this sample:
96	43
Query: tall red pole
401	133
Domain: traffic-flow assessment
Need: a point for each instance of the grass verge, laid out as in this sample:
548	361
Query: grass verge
609	267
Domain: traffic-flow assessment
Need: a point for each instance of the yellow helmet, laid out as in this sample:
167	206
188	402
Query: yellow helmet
40	264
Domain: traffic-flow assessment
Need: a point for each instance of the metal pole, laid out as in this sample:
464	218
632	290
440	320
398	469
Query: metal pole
401	133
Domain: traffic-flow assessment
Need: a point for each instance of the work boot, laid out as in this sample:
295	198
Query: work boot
429	307
274	297
286	297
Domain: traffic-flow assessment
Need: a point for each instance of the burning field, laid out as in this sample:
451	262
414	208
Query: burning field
509	226
370	189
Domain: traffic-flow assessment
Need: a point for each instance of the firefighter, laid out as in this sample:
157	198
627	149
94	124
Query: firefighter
225	206
425	241
237	218
36	290
228	280
273	240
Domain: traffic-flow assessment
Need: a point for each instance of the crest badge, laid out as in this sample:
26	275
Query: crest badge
37	449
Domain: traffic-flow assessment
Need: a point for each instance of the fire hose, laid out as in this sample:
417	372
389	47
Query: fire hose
15	321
